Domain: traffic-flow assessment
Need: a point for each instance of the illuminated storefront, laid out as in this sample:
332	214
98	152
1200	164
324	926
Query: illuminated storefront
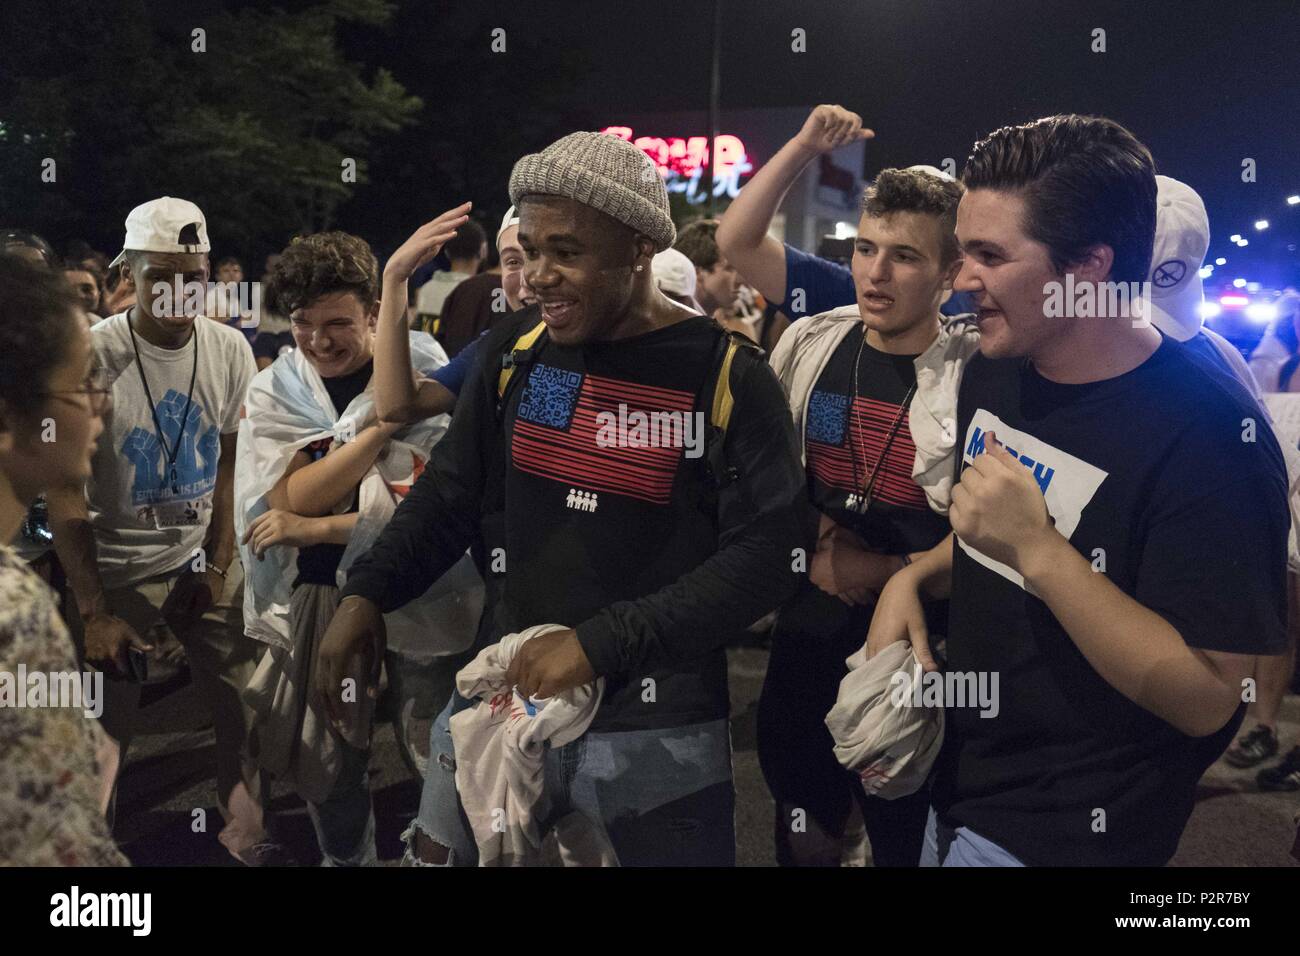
822	202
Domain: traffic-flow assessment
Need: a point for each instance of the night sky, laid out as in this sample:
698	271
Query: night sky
1203	84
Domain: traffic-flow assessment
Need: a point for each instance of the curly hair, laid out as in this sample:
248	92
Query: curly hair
915	190
322	264
37	312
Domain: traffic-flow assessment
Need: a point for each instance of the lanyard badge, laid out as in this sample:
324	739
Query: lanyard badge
170	454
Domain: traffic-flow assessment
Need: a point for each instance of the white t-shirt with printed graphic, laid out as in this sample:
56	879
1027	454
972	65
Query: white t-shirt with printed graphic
144	523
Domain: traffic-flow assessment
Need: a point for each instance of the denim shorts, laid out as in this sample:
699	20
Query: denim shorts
960	846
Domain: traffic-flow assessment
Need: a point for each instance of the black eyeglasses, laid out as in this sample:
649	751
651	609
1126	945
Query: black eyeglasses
96	386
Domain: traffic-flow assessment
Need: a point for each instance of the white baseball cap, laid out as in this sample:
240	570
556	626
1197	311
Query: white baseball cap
1182	239
511	218
931	170
674	273
156	226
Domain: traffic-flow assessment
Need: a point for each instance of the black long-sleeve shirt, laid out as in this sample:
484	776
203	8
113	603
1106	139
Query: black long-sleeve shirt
625	544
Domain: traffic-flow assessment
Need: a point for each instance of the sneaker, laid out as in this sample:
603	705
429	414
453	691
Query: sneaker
1253	748
1285	776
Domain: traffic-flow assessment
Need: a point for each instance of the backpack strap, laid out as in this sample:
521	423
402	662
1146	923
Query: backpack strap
521	352
729	345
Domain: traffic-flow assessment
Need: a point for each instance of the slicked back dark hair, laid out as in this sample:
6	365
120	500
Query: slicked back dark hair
1086	180
320	265
37	312
915	190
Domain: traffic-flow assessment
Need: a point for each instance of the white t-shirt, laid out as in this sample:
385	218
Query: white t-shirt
431	295
144	523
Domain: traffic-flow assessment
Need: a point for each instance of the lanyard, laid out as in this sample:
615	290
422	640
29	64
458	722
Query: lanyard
171	453
865	503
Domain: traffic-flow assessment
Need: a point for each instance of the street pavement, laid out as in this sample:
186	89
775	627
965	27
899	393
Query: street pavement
168	793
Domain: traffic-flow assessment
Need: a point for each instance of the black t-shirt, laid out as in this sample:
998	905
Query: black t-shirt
627	545
1154	478
640	510
845	442
319	563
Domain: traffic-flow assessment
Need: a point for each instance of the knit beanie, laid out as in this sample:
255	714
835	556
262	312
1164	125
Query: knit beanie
604	172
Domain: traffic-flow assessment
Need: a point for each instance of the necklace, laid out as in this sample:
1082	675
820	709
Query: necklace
170	453
864	502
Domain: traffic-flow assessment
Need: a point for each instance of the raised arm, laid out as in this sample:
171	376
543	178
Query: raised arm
402	395
742	233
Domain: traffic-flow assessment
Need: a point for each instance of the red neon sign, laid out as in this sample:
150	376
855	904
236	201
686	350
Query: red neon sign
685	156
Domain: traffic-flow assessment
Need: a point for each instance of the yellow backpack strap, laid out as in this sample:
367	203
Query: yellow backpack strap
723	402
524	341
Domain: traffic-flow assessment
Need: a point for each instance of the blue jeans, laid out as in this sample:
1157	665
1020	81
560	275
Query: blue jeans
960	846
661	797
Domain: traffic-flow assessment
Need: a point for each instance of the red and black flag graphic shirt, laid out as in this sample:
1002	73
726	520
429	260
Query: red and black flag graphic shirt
608	524
846	438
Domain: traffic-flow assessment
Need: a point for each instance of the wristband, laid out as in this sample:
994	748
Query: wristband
213	567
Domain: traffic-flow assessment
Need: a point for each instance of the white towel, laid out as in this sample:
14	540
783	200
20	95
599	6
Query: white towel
287	407
890	746
500	760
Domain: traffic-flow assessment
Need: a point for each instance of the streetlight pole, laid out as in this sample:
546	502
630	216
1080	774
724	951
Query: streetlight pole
715	89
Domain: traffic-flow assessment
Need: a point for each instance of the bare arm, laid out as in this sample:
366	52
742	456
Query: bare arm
998	509
284	528
742	233
400	394
220	544
74	543
1133	648
314	488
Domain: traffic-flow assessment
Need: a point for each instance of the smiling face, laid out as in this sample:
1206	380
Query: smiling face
145	270
335	333
518	293
579	262
1005	272
898	270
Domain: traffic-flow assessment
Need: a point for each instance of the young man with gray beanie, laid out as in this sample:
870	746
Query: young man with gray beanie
651	553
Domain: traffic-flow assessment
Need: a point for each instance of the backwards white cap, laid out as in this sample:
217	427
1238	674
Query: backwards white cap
1182	238
156	226
674	272
511	218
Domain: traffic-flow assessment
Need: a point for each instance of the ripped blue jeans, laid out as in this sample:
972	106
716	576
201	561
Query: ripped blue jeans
663	797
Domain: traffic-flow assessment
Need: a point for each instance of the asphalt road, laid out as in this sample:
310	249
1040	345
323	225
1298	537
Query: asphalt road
170	775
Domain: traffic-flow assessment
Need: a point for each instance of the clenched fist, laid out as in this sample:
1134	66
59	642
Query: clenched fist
998	508
549	664
830	127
